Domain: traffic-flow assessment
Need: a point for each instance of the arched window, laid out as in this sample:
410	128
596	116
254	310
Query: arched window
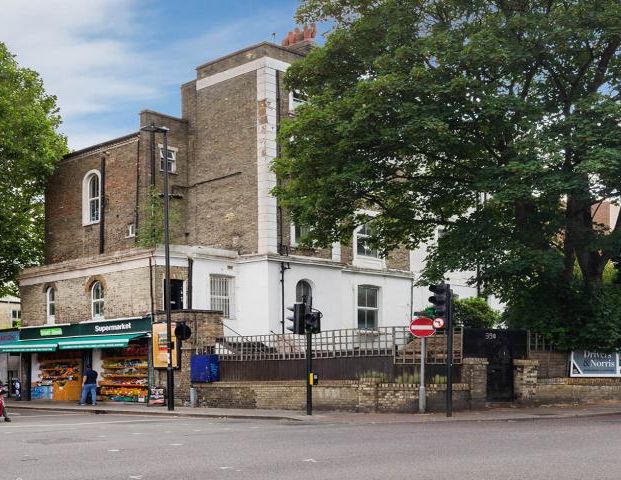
50	297
97	299
303	292
91	198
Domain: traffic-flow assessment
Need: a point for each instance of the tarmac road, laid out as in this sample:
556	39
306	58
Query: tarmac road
81	446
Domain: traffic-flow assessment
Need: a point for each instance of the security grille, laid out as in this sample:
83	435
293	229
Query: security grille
221	294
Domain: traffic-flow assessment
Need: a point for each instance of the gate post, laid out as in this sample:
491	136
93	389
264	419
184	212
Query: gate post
474	373
525	380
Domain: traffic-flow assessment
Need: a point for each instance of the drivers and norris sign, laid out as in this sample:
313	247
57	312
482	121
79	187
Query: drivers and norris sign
585	363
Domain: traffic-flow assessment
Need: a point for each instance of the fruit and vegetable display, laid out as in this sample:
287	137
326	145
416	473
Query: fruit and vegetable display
125	374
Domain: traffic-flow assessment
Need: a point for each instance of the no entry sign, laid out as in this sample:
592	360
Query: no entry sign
422	327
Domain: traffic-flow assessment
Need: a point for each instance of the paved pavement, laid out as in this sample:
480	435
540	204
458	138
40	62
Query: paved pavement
492	414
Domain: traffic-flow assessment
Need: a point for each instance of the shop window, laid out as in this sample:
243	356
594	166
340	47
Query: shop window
176	294
97	299
91	198
51	304
221	294
303	292
368	307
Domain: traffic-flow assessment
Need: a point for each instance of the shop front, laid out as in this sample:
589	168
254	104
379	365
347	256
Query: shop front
55	358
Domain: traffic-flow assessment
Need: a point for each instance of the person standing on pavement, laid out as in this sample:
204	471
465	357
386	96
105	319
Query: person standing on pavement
3	411
89	385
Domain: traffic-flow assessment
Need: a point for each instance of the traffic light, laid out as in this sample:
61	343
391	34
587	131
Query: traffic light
297	319
441	299
313	321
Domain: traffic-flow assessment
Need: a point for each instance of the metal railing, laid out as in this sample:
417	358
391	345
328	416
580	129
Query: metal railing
395	342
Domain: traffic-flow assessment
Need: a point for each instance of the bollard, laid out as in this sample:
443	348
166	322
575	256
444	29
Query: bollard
193	397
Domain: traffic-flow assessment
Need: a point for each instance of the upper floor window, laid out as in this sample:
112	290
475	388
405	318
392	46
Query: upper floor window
16	318
91	198
172	159
296	99
50	295
97	300
298	232
363	234
221	294
304	292
368	307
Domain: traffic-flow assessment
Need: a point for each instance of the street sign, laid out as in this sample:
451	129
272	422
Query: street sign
422	327
438	322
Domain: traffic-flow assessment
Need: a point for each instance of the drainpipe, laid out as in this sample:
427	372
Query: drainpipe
102	214
283	267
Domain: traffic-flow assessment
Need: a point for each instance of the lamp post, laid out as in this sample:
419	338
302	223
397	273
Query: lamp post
170	381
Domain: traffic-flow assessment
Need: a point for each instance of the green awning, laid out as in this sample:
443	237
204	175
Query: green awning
96	341
47	345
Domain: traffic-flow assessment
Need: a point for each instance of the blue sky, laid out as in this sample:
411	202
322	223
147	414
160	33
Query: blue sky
106	60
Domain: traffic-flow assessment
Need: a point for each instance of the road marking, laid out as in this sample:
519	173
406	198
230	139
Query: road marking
55	425
176	444
114	450
312	460
53	415
225	468
136	477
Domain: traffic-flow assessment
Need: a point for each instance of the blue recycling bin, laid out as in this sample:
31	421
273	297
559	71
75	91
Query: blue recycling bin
205	368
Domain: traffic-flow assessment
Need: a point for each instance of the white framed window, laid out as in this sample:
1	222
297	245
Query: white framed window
304	292
97	300
363	234
50	297
296	99
298	232
172	158
221	294
368	307
91	198
131	230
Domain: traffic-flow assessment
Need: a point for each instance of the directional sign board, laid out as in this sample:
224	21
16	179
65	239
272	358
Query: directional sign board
422	327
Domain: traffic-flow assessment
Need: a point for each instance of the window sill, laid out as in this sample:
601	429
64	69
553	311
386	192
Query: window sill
88	224
368	262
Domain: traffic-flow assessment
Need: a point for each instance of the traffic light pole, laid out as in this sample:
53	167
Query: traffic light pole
309	373
449	354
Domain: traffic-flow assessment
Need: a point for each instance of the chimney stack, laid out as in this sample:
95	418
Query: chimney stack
301	41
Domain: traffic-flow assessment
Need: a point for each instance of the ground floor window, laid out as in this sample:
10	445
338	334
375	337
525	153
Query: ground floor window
221	294
368	307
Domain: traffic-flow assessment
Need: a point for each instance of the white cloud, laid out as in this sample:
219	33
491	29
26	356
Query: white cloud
95	56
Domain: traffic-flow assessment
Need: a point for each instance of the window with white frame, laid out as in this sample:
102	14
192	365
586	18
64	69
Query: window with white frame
172	159
296	99
91	198
97	300
50	296
221	294
304	292
368	307
362	236
298	232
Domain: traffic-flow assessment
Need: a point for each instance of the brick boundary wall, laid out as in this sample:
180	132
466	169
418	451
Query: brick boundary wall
366	395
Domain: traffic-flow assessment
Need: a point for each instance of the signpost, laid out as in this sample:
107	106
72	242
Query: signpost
422	327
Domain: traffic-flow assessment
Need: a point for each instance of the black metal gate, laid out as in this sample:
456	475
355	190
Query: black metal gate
499	347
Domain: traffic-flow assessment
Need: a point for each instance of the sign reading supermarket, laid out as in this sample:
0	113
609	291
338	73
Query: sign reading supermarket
111	327
585	363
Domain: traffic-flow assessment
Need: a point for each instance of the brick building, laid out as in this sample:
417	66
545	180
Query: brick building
232	248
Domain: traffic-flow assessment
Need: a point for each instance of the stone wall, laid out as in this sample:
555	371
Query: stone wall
525	380
368	395
577	390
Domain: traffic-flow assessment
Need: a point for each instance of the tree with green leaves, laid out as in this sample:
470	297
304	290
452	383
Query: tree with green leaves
497	120
30	145
474	313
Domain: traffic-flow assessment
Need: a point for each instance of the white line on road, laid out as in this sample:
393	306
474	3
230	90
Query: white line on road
55	425
312	460
114	450
176	444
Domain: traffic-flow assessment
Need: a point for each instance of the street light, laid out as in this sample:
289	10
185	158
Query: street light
170	381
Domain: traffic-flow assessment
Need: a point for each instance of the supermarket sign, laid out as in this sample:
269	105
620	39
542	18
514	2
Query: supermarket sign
9	337
129	325
585	363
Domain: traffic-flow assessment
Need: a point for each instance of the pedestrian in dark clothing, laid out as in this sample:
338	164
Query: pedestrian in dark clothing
3	411
89	385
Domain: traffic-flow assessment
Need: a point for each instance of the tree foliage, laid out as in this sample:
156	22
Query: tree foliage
29	147
475	313
499	120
